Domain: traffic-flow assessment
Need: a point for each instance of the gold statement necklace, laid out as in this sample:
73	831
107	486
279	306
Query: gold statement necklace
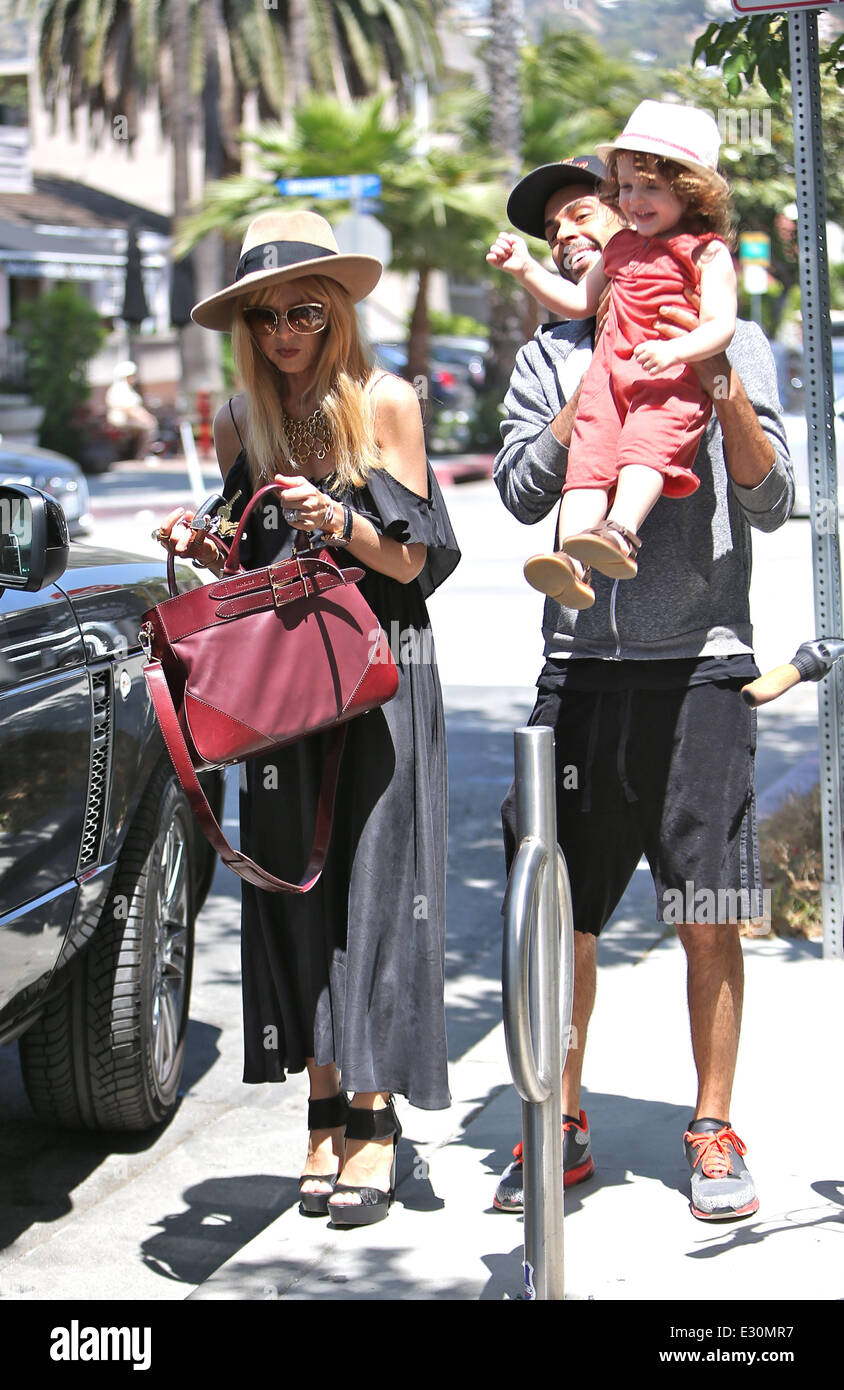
308	439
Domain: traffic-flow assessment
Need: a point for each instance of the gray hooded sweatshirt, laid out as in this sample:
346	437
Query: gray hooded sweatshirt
690	597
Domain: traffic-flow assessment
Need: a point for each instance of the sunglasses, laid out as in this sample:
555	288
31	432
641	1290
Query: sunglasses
265	322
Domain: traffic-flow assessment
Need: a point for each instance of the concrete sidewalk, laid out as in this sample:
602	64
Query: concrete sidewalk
629	1233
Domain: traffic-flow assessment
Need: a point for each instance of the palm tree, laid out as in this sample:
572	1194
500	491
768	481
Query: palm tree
442	210
441	207
576	96
505	137
111	55
108	54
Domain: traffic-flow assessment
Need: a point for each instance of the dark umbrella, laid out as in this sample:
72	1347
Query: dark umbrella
182	296
135	308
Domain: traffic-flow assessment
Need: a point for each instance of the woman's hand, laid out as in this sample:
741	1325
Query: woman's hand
306	508
177	537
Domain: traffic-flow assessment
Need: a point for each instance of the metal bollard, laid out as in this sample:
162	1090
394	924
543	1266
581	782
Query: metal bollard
537	989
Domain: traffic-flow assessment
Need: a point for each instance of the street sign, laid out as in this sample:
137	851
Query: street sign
755	248
337	186
755	277
363	235
746	7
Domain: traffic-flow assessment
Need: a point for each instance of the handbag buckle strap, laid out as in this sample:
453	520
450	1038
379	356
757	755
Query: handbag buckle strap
280	589
282	582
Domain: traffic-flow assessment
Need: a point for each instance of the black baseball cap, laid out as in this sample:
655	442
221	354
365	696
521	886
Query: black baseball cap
526	204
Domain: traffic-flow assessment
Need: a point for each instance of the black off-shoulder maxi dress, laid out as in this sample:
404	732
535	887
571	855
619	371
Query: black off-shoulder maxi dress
353	972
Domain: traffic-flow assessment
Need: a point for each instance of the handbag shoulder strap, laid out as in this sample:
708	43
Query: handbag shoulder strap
234	422
240	863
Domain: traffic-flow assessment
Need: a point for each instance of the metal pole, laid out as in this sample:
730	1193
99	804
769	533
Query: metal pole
537	1003
823	473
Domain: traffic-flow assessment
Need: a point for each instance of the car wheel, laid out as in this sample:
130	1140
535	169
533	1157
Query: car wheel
108	1051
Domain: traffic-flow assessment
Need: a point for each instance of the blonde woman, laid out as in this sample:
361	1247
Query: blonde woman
347	980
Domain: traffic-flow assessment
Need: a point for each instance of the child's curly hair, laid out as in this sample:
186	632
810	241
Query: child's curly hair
706	195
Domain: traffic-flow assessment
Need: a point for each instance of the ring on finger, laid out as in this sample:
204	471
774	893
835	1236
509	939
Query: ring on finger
291	516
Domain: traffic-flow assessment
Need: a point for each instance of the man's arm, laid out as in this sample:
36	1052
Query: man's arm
743	386
530	467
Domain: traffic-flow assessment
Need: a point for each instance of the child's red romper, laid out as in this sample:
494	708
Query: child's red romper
625	415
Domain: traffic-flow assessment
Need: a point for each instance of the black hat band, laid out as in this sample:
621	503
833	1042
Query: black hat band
275	255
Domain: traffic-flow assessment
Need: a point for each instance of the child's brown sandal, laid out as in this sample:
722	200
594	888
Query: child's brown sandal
596	547
556	576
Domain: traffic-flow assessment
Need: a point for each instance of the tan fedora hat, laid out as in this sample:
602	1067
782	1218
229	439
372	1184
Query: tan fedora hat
685	134
280	246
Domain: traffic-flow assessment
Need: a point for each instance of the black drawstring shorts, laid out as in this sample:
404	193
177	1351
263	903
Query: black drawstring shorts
668	773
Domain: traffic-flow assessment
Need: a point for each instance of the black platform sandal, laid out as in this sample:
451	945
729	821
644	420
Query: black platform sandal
330	1113
374	1204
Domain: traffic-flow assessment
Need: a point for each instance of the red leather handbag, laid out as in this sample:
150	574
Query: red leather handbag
259	659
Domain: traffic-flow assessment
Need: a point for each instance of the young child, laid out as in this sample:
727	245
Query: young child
642	410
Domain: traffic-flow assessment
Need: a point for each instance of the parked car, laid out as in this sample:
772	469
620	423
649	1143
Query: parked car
102	867
446	395
49	472
467	354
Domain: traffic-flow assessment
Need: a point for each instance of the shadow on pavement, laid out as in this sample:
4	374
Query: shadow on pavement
223	1215
631	1138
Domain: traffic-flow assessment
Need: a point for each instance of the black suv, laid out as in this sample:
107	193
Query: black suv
102	868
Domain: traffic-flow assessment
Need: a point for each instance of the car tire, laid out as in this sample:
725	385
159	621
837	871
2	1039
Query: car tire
108	1051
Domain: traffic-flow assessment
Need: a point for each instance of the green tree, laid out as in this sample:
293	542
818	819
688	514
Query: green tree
572	96
442	210
109	54
61	332
440	206
504	137
575	96
201	60
751	49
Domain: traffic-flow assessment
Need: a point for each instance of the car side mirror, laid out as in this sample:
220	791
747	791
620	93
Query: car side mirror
34	543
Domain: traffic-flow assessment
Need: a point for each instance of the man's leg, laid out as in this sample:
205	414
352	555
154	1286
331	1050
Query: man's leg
722	1188
710	854
715	990
585	981
602	848
578	1163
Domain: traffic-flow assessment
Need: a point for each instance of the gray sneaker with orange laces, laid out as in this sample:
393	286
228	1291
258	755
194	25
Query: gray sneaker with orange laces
578	1164
722	1188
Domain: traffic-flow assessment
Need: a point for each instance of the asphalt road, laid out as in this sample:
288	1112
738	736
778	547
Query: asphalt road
150	1217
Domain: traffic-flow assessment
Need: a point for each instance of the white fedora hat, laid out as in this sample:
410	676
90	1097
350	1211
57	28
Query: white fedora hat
685	134
280	246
